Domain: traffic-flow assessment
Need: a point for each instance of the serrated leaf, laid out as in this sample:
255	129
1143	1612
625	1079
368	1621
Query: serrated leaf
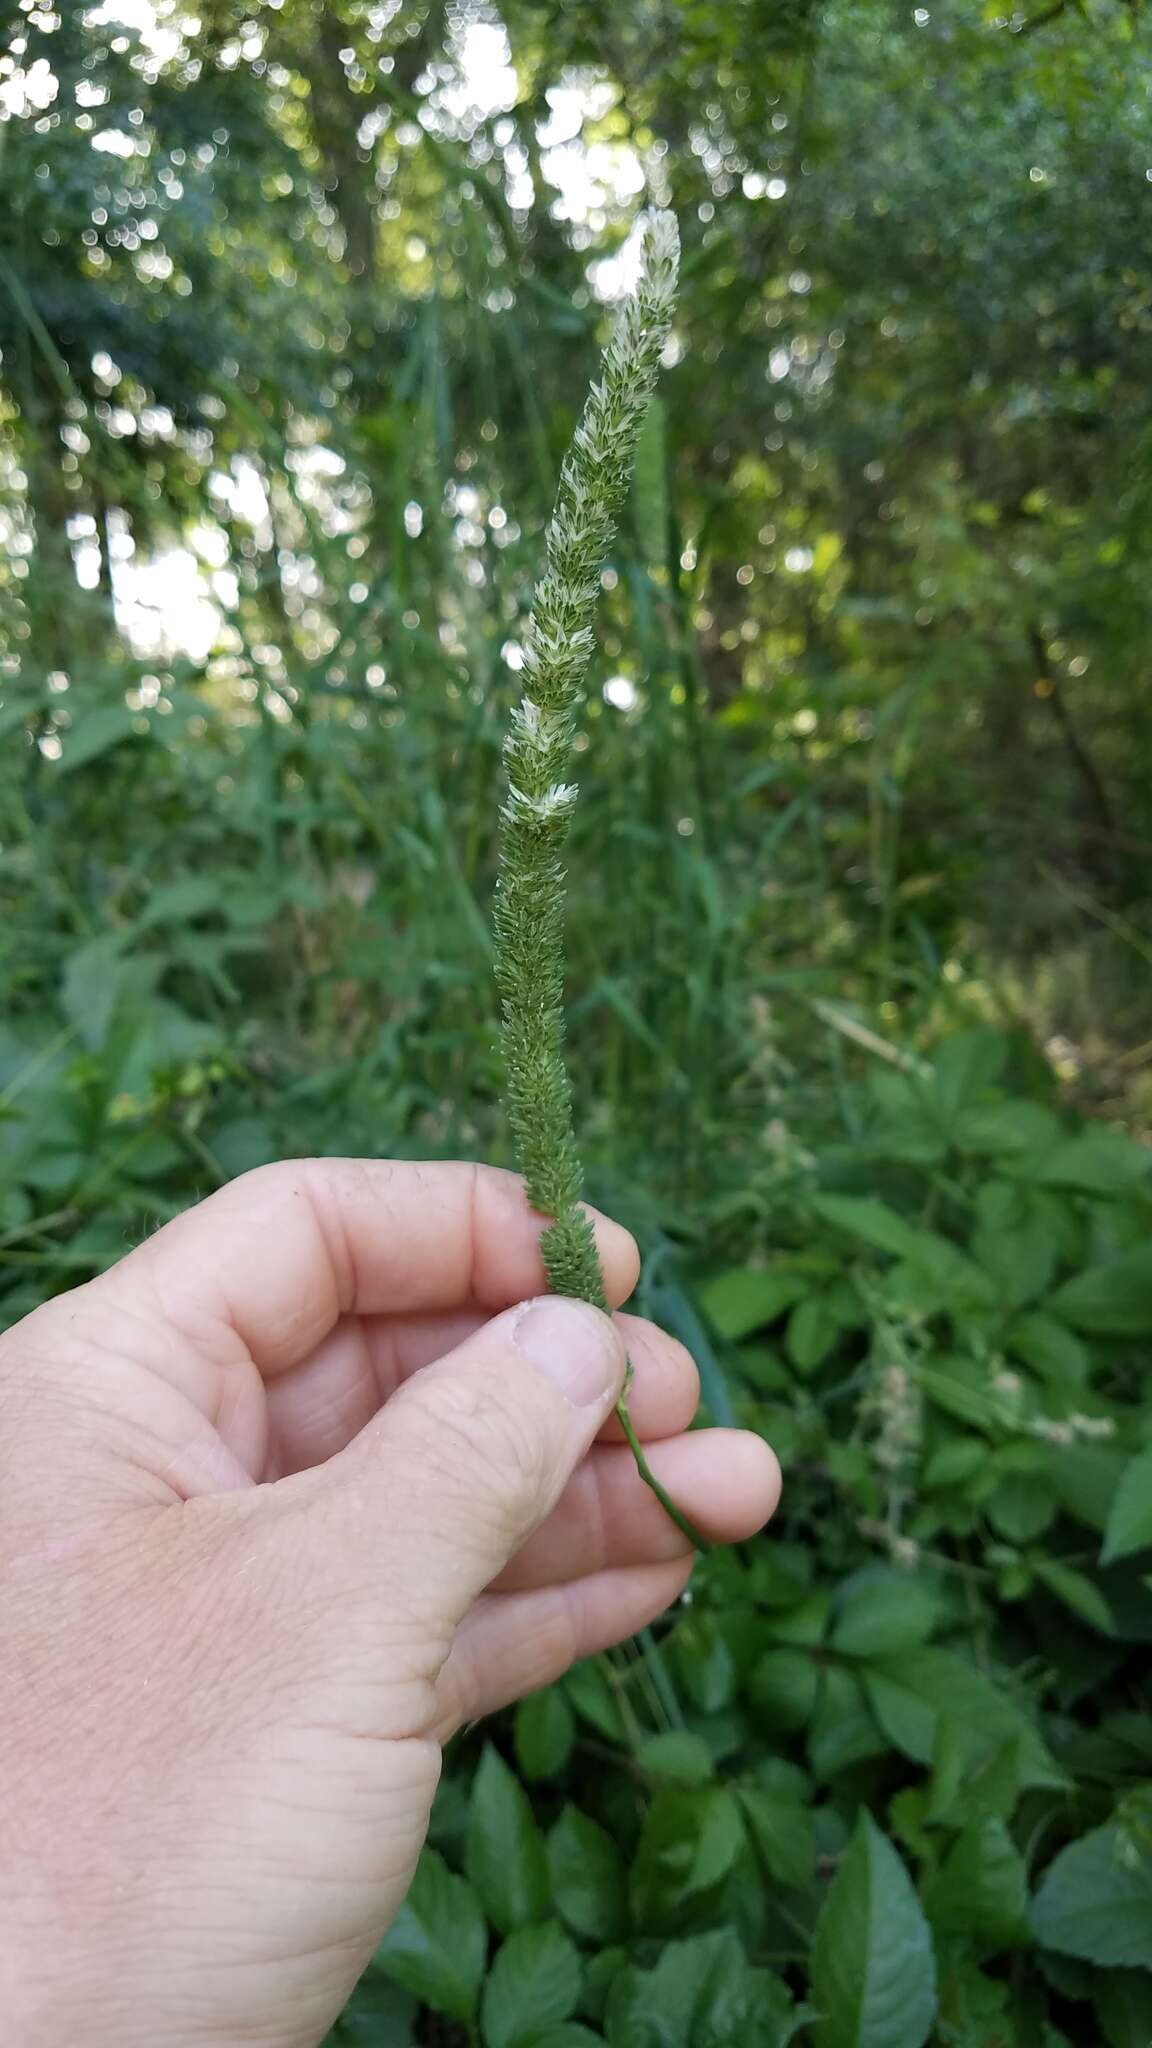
589	1881
533	1983
783	1832
1130	1520
981	1889
1095	1901
505	1850
909	1695
689	1842
702	1993
437	1946
873	1969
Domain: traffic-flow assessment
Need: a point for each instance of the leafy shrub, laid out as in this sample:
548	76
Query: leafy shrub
886	1776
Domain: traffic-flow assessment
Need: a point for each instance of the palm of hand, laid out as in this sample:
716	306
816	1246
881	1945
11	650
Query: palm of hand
258	1562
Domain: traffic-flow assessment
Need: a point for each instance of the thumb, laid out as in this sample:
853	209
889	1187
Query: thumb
466	1460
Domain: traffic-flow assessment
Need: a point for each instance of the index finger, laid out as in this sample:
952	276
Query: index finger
278	1255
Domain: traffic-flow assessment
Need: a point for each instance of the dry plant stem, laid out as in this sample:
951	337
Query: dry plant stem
529	918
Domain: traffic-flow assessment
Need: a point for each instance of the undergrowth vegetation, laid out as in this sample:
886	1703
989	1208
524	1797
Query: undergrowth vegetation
295	316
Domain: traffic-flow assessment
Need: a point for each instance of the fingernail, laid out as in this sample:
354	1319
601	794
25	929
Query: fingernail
574	1346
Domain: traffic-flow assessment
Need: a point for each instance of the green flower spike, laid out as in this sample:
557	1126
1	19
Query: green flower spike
529	914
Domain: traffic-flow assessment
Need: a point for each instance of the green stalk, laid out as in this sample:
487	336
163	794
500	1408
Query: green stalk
529	915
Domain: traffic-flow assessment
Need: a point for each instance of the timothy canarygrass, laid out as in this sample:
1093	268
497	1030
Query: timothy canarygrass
529	914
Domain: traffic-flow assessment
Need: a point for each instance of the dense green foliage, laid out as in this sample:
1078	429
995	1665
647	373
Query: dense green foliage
301	301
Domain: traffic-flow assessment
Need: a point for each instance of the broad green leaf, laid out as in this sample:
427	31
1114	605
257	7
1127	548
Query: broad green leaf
954	1391
1097	1162
180	902
94	733
981	1888
842	1730
1007	1131
588	1690
1130	1519
93	981
1013	1241
813	1328
965	1067
863	1217
1087	1479
505	1850
703	1662
679	1755
589	1881
941	1279
544	1731
378	2015
1114	1300
1077	1592
656	2008
1123	2001
1022	1507
873	1970
955	1463
1050	1348
744	1300
701	1993
689	1842
533	1983
740	2005
909	1694
963	1791
1095	1901
782	1689
437	1946
883	1611
974	2008
783	1833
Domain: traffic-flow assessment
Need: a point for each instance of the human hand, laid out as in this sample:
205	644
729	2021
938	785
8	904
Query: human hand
285	1497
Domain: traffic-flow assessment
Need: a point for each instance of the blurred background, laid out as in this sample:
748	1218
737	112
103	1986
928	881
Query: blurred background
298	303
297	307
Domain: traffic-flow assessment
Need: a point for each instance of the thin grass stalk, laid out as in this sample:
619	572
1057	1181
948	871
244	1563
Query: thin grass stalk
537	813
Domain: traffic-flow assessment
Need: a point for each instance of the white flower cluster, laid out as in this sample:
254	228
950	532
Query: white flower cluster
554	802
